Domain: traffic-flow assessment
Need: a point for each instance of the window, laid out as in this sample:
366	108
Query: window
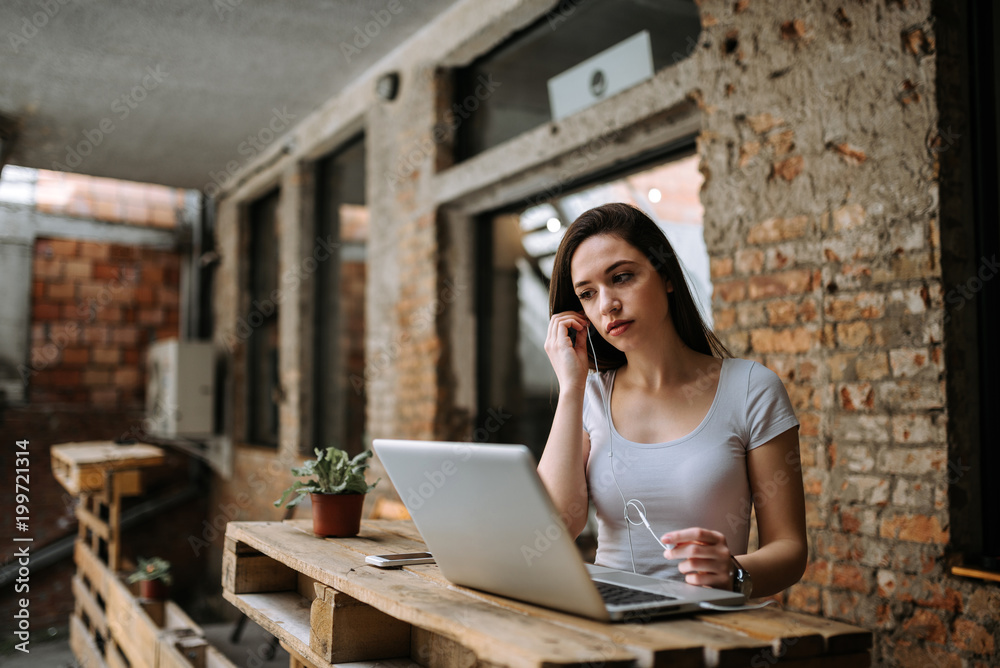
338	408
515	253
262	346
505	92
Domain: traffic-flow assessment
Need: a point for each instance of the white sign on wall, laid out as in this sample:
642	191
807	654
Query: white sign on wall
613	70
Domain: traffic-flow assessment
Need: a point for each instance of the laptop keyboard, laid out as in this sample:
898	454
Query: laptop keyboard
617	595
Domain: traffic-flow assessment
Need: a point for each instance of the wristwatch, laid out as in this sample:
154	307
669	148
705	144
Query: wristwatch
741	579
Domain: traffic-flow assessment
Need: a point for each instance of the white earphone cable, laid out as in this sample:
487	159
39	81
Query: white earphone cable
638	505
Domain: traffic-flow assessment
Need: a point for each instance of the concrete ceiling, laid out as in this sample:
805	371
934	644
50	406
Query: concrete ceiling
171	91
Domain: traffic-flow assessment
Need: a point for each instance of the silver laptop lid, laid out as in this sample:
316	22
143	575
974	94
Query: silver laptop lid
489	523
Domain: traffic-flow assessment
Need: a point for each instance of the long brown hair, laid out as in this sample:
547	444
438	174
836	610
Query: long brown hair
634	227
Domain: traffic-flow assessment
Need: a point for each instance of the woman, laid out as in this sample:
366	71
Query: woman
670	426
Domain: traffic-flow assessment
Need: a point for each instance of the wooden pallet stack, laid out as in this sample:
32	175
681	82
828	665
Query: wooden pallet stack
110	626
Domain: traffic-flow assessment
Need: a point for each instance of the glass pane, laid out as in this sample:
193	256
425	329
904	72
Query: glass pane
262	346
505	92
338	383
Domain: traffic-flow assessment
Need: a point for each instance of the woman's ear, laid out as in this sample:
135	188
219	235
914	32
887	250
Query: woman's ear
670	286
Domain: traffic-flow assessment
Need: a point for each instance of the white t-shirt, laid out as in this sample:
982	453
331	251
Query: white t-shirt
699	480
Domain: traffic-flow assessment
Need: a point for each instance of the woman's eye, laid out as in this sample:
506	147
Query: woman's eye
621	278
584	295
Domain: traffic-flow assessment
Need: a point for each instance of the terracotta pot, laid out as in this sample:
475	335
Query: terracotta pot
154	589
337	514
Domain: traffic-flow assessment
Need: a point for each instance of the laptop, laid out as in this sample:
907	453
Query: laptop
490	524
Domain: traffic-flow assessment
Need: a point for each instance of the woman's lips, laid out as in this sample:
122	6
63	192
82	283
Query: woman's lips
620	328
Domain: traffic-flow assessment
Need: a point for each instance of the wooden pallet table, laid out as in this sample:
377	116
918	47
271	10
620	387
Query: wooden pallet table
110	627
327	607
102	474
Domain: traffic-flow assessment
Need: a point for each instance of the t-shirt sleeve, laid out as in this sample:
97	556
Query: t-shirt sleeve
769	410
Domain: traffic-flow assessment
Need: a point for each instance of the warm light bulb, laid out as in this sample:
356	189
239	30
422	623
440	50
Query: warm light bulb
553	224
654	195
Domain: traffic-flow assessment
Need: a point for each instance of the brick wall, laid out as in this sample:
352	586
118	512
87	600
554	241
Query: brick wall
823	233
95	309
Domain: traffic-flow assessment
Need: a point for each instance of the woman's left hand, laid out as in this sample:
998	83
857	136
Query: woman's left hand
706	557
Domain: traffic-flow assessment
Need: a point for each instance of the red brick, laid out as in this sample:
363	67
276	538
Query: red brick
106	356
126	377
794	281
150	316
130	357
152	274
724	319
104	397
778	229
984	603
46	312
914	527
865	305
789	168
856	396
75	356
95	377
44	268
106	271
94	251
749	261
817	572
782	312
63	248
793	340
109	313
926	625
60	291
731	291
856	334
38	290
848	217
850	576
804	598
79	268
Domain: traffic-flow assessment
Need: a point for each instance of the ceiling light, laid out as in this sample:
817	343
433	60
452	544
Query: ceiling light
553	224
654	195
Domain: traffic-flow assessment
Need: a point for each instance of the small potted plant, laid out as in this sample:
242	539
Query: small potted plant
153	576
337	491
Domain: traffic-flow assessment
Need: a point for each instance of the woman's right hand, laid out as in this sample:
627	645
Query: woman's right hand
568	358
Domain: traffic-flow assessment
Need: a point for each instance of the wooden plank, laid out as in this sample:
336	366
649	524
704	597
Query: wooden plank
216	659
131	627
431	649
83	646
93	522
129	483
113	656
972	572
485	628
115	456
188	652
175	619
839	638
82	467
788	639
88	564
344	629
248	574
284	615
89	605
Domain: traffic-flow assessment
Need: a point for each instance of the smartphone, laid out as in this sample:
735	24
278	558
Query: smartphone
399	560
